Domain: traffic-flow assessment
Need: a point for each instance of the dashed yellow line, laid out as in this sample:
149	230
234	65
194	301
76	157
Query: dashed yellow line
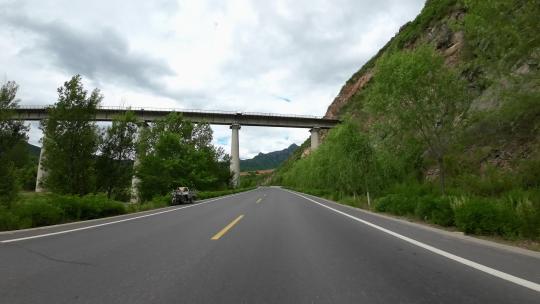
259	200
227	228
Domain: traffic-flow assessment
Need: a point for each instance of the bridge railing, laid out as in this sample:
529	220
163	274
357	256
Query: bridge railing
156	109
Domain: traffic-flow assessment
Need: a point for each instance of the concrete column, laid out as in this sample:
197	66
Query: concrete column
135	181
41	172
314	137
235	155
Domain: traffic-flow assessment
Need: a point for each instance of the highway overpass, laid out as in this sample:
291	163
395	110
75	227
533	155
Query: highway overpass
233	119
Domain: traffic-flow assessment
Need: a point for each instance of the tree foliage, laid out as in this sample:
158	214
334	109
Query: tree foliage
174	152
345	164
114	168
416	92
71	139
12	143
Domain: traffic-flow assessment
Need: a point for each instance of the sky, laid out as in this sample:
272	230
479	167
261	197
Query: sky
287	57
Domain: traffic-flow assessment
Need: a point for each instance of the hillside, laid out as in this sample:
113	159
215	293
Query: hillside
33	150
445	116
263	161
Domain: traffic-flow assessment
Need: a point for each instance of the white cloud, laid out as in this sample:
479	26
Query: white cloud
223	55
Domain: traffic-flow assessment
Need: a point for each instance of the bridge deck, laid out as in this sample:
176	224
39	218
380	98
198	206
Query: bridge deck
211	117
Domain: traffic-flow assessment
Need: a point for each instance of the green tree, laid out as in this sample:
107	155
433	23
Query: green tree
71	139
415	92
12	138
174	152
114	167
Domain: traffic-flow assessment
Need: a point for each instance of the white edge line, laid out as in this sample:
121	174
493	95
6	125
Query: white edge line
114	222
502	275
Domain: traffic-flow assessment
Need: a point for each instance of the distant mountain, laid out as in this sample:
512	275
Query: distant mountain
267	161
34	150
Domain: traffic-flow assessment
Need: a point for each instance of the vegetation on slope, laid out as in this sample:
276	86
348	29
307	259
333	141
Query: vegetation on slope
428	114
264	161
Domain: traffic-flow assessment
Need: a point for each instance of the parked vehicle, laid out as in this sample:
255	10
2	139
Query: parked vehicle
183	195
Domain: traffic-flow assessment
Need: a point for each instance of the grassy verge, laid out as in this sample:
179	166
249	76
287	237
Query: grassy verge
513	218
34	210
37	209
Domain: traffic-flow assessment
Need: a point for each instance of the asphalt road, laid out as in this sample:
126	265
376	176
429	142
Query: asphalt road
263	246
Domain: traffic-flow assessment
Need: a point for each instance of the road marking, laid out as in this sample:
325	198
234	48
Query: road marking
227	228
259	200
114	222
502	275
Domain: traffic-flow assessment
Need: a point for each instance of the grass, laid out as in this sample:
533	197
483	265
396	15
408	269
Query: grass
514	216
38	209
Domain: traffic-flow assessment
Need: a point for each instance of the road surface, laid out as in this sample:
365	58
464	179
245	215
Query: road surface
267	245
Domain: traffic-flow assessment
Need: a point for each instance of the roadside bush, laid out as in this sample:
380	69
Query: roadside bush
398	204
436	210
87	207
528	173
50	209
527	209
477	215
358	201
37	213
209	194
493	182
8	220
98	205
70	204
158	201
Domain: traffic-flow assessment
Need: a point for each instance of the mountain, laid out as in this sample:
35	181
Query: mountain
489	147
270	160
33	150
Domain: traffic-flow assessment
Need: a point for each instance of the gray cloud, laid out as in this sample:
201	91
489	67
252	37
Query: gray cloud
314	39
102	55
288	56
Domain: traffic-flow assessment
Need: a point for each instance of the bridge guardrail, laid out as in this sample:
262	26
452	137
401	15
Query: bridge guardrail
155	109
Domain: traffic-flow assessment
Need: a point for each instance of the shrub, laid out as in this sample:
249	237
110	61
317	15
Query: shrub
156	202
98	205
528	173
493	182
486	216
436	210
527	209
209	194
397	204
71	205
8	220
38	213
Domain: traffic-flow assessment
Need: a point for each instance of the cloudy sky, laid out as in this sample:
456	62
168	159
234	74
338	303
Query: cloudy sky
289	57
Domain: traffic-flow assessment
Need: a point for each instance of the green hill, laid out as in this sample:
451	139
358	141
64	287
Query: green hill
443	124
266	161
33	150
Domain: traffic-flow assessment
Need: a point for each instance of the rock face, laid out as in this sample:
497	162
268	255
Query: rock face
447	42
347	91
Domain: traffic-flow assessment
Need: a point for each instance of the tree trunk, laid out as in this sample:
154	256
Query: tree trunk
367	192
440	162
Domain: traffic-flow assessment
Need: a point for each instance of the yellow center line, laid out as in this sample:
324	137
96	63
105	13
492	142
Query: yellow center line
259	200
227	228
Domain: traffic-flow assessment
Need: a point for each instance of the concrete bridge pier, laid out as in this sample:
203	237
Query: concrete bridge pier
314	137
41	172
135	181
235	155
